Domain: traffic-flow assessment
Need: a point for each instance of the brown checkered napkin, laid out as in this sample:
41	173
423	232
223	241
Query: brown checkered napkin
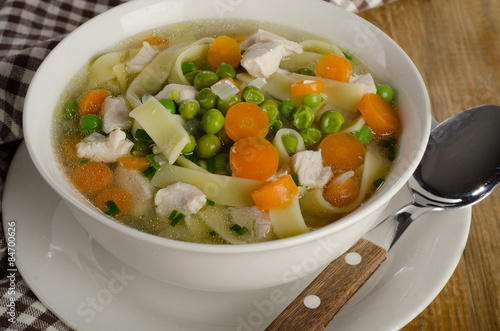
29	30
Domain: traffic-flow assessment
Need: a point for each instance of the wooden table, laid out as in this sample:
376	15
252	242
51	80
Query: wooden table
456	46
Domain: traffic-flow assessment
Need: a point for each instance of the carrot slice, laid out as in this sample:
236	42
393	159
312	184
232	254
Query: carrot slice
244	120
378	114
134	162
92	101
120	196
341	193
224	49
92	177
307	86
334	67
342	151
275	193
253	158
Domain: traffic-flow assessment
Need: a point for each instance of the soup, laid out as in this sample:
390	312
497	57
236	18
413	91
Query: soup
226	132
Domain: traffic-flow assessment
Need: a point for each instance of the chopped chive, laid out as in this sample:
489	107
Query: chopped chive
378	182
84	161
347	55
390	145
212	233
295	178
112	208
151	159
238	229
210	202
149	171
191	157
391	155
177	219
211	165
172	215
141	134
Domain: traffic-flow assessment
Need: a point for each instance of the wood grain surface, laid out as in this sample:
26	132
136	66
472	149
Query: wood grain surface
455	44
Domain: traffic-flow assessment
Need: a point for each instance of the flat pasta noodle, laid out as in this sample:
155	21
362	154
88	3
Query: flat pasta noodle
154	76
101	70
321	47
277	86
163	127
225	190
375	166
219	219
186	163
192	53
278	144
299	61
287	220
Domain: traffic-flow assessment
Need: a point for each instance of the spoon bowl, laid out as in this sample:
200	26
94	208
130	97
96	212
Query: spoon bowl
460	167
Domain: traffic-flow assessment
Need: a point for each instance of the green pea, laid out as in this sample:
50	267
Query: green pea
190	76
276	125
271	108
189	66
70	108
287	108
310	136
193	127
212	121
207	98
224	105
306	71
207	146
331	121
205	79
312	100
225	70
386	92
190	145
169	104
221	163
253	94
364	135
188	108
303	117
224	138
290	143
90	123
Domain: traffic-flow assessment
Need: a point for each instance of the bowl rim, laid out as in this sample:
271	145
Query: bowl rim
369	207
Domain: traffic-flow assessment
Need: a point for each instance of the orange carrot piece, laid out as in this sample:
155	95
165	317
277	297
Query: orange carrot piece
343	193
275	193
253	158
342	151
224	49
120	196
134	162
378	114
244	120
92	101
307	86
156	41
92	177
334	67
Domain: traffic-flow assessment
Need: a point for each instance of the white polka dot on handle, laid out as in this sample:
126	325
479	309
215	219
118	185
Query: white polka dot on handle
353	258
312	301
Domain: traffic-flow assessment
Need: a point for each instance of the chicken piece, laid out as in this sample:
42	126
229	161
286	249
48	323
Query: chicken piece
115	114
366	80
98	148
308	165
185	198
185	92
145	55
263	36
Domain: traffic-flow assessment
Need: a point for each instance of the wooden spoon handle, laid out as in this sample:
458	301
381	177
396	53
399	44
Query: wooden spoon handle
332	289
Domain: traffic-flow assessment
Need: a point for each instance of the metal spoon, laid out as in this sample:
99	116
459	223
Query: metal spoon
460	167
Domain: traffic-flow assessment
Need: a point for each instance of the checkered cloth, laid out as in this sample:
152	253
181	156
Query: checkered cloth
30	30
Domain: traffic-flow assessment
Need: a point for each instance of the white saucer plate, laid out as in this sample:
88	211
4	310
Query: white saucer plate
89	289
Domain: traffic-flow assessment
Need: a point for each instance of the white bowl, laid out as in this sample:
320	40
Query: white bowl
227	267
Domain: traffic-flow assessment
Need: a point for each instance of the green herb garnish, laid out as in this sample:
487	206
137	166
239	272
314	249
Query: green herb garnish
112	208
